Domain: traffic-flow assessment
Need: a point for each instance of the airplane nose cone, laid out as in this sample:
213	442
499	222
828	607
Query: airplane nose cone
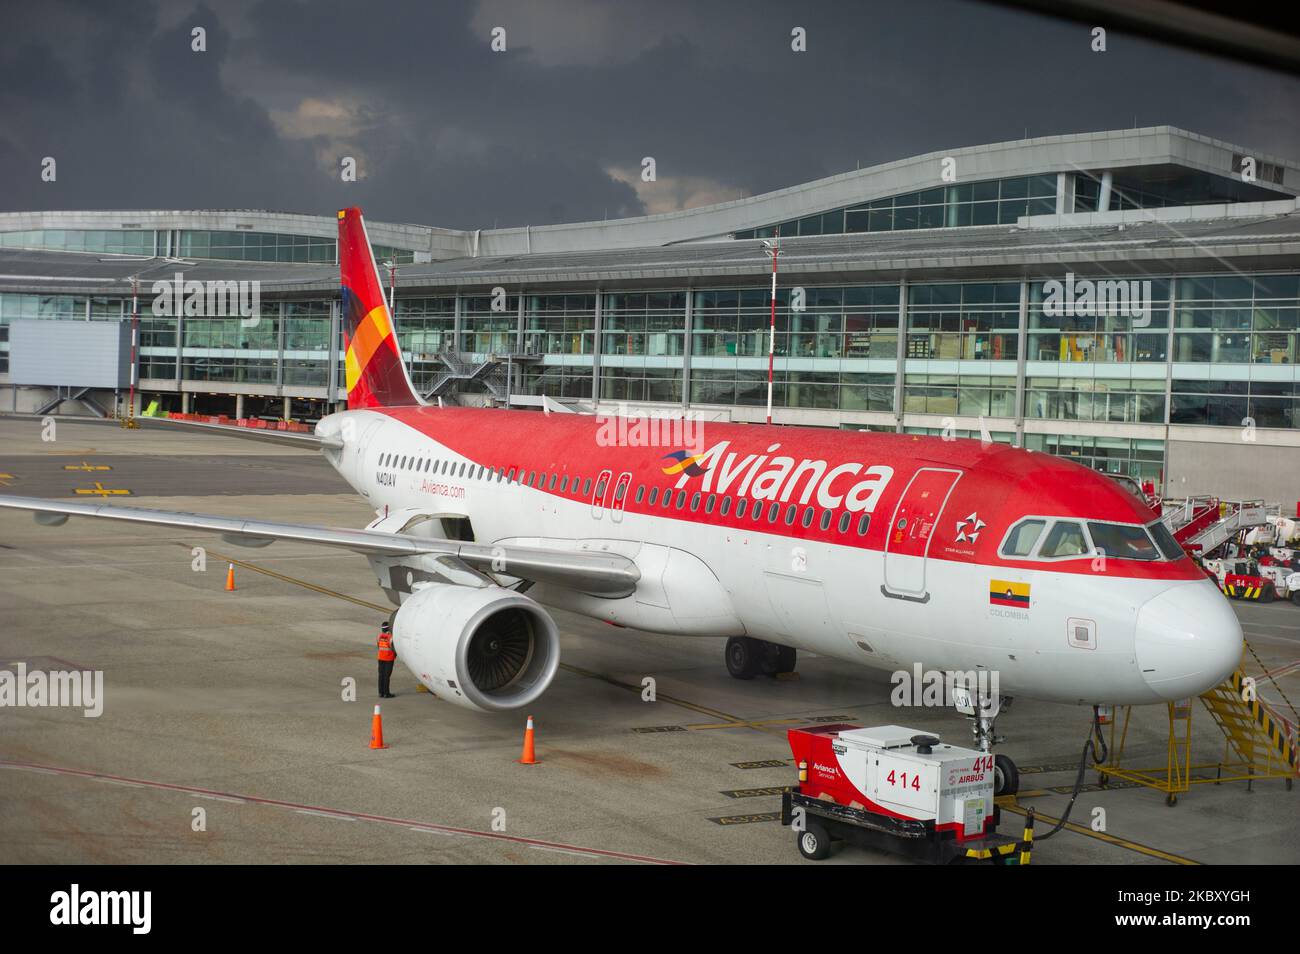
1188	640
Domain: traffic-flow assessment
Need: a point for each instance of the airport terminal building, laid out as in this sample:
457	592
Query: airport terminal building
1129	299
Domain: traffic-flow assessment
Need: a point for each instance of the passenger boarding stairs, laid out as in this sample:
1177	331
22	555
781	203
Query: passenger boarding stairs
1263	741
1259	742
1202	524
491	372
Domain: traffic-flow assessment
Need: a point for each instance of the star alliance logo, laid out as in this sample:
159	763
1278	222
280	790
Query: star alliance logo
968	530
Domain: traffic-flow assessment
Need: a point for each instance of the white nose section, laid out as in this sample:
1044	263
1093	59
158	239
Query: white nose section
1188	640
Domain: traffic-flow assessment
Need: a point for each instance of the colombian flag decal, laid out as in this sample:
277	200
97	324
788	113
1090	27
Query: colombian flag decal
683	462
1007	593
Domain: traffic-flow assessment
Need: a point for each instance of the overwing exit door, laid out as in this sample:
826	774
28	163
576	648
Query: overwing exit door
907	545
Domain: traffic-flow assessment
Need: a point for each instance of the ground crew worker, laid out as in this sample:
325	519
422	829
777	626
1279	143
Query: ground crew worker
386	657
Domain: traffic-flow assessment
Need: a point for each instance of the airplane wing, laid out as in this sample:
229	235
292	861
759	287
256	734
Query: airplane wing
600	574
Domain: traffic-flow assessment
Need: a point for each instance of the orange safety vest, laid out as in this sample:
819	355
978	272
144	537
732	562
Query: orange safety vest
386	653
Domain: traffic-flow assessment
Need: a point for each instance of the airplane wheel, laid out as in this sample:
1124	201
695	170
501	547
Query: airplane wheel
743	657
814	842
1006	777
785	658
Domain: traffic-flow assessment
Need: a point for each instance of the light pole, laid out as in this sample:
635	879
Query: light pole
135	335
773	249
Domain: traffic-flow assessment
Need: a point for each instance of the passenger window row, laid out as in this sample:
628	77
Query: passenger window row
742	506
580	487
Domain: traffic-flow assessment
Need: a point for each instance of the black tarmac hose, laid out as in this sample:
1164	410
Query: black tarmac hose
1095	746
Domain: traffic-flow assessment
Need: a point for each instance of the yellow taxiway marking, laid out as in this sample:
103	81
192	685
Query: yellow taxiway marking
5	478
99	490
83	466
1009	805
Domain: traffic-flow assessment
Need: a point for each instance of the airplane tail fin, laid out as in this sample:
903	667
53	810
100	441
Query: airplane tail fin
376	376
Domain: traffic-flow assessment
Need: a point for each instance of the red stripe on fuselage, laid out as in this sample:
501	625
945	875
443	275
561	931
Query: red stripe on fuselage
1000	483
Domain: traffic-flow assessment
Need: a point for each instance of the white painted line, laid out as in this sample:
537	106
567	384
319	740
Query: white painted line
562	851
436	831
222	798
38	771
308	811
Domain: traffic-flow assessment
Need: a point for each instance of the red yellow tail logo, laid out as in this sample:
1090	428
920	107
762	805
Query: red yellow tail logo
376	376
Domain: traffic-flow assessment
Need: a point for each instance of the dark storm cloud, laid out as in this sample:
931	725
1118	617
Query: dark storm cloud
447	132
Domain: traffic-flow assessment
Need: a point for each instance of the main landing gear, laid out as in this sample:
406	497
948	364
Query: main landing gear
982	711
748	657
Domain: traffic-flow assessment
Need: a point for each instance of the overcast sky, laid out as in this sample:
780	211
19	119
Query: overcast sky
447	132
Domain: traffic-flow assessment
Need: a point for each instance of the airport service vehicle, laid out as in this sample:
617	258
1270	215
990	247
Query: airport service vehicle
1251	580
1019	572
1243	580
1263	584
899	790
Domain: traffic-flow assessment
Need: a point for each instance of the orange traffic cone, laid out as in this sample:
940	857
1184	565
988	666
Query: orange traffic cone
527	757
230	578
377	730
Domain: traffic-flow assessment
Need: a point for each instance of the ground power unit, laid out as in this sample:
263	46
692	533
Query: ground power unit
898	789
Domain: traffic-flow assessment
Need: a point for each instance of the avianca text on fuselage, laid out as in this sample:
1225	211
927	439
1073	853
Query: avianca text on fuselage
766	477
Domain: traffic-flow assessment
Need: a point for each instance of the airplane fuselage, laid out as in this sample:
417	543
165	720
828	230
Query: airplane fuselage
876	549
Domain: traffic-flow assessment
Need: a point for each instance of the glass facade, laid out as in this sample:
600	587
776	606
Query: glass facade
1204	350
1237	319
486	330
239	245
997	437
425	326
1143	459
643	336
306	342
560	324
1001	202
109	241
991	202
253	246
840	345
232	349
387	253
559	381
967	322
1092	333
562	329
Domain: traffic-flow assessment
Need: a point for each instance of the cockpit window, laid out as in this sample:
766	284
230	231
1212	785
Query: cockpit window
1048	538
1123	542
1170	548
1065	539
1023	536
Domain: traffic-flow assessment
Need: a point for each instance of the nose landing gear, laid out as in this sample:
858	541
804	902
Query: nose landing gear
748	657
982	709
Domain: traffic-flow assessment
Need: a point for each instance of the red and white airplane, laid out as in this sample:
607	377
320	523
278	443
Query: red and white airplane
882	550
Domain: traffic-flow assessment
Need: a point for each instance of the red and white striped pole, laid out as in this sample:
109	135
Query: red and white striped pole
135	335
774	250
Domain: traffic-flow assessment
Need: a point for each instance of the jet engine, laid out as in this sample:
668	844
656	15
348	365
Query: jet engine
481	647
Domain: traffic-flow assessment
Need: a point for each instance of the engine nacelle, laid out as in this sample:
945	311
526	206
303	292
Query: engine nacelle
484	648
